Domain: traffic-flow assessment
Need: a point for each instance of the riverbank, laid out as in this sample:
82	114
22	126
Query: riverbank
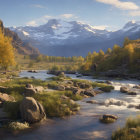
56	95
87	117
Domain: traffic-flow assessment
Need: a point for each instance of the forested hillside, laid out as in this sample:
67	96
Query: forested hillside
124	59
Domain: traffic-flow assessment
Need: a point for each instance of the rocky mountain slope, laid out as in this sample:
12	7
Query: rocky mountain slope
24	48
69	38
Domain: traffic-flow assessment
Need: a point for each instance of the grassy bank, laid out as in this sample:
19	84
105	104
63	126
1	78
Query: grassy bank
53	104
131	130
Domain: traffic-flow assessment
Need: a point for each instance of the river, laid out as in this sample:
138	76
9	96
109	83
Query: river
85	124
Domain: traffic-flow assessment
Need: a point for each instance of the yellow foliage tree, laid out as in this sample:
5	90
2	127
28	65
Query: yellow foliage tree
130	51
7	57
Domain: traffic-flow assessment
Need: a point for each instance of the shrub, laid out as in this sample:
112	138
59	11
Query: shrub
73	96
12	109
18	126
54	106
126	133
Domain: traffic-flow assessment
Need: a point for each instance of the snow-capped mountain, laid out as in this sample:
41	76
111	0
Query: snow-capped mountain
68	38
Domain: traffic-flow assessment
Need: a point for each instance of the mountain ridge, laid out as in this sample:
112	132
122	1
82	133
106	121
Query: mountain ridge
21	47
68	38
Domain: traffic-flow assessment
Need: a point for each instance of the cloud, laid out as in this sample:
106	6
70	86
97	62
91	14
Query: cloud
67	15
101	27
121	5
45	18
39	21
31	23
134	13
38	6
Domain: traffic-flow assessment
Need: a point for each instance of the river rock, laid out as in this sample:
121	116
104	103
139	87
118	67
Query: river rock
77	91
60	87
31	110
29	91
70	82
137	86
137	107
83	85
33	71
124	89
29	86
39	89
108	82
6	98
92	102
67	87
108	118
90	92
132	93
61	74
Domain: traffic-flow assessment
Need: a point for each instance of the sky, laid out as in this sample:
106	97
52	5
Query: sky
102	14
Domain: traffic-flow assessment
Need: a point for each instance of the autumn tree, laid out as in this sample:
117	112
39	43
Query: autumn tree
7	57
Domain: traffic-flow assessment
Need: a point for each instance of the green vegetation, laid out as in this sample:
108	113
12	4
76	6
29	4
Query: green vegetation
18	126
12	109
122	58
48	62
54	105
131	131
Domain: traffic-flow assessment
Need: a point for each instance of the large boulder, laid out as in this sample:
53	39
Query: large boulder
31	110
6	98
124	89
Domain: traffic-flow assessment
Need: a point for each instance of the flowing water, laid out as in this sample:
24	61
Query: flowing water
85	124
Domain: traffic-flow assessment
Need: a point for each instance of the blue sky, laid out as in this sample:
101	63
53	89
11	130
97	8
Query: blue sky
109	14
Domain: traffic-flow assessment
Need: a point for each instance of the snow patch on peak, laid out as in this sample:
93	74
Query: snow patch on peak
25	33
89	29
133	21
62	29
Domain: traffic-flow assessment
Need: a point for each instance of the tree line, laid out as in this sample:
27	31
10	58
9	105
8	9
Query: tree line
126	57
